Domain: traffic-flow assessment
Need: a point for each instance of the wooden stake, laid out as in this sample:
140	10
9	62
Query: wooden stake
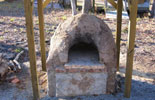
118	30
130	45
28	4
42	35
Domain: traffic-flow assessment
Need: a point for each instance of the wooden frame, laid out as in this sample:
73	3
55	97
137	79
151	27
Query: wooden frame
118	29
42	35
113	3
46	2
28	4
130	46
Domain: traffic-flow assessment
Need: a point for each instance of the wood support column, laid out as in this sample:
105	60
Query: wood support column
42	35
130	46
28	4
118	29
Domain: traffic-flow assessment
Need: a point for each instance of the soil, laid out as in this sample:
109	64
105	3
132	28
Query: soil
13	39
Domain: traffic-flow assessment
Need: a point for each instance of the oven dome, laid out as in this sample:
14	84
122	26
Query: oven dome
82	28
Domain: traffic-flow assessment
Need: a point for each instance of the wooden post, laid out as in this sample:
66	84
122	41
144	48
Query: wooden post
118	30
113	3
73	7
28	4
130	45
42	35
86	6
45	3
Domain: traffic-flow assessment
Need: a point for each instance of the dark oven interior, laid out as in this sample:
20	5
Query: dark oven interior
82	53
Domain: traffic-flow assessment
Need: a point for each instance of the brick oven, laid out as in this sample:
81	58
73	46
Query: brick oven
82	58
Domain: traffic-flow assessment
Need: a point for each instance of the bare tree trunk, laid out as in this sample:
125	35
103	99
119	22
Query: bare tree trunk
73	7
153	10
106	3
86	6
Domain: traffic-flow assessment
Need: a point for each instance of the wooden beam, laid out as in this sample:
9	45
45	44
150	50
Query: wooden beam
28	4
46	2
118	29
42	35
130	45
113	3
73	5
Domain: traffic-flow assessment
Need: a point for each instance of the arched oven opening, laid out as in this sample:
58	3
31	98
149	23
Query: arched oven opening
83	54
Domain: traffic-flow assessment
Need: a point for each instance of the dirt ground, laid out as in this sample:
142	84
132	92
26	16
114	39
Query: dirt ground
13	39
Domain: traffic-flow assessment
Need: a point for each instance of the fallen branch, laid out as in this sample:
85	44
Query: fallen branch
14	64
18	55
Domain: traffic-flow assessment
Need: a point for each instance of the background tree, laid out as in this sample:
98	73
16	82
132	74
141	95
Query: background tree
153	9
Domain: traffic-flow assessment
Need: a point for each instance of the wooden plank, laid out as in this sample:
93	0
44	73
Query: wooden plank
130	45
113	3
28	4
73	7
118	29
46	2
42	35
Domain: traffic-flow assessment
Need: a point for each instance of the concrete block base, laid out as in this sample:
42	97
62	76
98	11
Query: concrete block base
74	84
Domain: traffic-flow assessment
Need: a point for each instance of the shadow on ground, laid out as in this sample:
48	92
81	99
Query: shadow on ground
140	91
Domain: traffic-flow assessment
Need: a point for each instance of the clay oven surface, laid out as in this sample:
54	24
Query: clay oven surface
82	58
